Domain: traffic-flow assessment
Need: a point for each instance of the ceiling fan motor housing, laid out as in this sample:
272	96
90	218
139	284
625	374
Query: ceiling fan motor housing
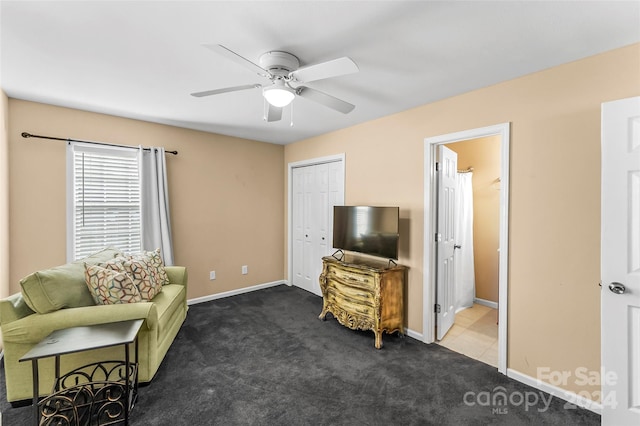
279	63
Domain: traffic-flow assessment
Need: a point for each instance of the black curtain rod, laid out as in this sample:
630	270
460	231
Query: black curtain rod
29	135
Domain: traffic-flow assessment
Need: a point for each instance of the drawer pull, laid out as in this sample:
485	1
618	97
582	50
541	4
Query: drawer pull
357	279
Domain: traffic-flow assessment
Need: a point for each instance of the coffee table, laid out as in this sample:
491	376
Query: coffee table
100	393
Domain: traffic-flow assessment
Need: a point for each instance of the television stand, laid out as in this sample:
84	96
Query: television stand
364	296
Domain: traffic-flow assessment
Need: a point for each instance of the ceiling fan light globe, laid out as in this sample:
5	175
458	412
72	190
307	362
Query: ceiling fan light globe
278	96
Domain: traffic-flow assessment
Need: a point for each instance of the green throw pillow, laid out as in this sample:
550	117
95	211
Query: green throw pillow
63	286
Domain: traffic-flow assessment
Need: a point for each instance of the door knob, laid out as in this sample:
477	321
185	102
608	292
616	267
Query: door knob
617	288
457	246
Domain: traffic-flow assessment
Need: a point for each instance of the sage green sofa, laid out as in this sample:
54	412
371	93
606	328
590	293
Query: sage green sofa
65	301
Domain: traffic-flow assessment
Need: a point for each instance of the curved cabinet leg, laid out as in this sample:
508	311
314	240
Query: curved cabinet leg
323	314
378	339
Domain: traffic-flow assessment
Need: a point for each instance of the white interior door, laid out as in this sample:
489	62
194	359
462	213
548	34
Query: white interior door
445	265
297	223
336	197
620	262
315	190
310	226
323	219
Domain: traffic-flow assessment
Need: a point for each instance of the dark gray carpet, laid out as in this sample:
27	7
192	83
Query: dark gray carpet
264	358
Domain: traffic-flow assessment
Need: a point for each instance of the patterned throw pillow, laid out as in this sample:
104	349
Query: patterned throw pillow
142	273
115	264
109	287
157	266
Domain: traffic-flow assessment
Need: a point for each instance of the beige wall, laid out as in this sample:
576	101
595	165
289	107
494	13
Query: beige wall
225	193
483	154
554	252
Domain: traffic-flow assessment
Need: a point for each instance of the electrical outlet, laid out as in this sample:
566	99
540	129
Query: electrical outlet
212	275
245	269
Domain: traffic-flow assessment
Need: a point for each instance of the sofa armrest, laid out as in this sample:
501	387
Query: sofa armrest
13	308
33	328
177	274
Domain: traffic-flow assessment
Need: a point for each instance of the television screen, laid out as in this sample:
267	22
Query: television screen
366	229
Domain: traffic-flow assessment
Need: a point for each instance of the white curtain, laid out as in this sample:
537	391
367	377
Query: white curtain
156	222
464	269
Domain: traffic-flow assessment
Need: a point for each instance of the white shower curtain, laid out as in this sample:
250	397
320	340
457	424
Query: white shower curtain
156	222
464	269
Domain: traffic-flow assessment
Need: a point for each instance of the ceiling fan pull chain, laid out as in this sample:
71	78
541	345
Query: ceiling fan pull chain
291	124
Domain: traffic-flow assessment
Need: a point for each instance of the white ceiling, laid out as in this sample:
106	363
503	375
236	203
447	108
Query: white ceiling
142	59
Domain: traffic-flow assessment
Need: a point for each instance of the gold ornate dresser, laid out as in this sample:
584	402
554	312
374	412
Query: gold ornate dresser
363	295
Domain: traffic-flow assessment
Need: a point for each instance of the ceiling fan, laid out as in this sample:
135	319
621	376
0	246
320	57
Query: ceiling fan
286	75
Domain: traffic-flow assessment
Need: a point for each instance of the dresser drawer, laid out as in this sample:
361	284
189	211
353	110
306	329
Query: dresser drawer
350	305
361	295
363	280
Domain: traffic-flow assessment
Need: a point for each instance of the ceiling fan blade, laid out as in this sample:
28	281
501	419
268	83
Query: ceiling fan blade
333	68
225	90
230	54
324	99
273	113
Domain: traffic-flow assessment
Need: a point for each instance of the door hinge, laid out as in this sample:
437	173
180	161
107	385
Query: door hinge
437	308
437	166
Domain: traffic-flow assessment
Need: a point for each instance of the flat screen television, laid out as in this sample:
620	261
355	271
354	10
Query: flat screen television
366	229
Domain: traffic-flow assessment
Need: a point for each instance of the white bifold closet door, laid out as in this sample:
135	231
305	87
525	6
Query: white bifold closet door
316	189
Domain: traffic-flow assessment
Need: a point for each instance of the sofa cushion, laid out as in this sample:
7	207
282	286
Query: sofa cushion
109	287
63	286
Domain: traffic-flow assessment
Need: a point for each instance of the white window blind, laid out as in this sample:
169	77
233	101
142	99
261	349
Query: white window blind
104	199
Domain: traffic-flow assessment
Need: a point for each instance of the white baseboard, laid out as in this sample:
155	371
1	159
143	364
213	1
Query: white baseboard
233	292
572	398
484	302
414	334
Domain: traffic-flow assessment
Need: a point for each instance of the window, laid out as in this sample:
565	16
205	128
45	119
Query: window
103	196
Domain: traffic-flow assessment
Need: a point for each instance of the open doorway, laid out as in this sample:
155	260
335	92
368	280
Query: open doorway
477	218
482	297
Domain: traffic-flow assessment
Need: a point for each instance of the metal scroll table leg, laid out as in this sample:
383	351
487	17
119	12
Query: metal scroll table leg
57	372
135	378
126	385
36	388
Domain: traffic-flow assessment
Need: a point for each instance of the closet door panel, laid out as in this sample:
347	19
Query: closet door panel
336	198
315	190
324	216
297	198
309	227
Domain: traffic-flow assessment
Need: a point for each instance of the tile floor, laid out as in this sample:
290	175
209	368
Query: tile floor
475	334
